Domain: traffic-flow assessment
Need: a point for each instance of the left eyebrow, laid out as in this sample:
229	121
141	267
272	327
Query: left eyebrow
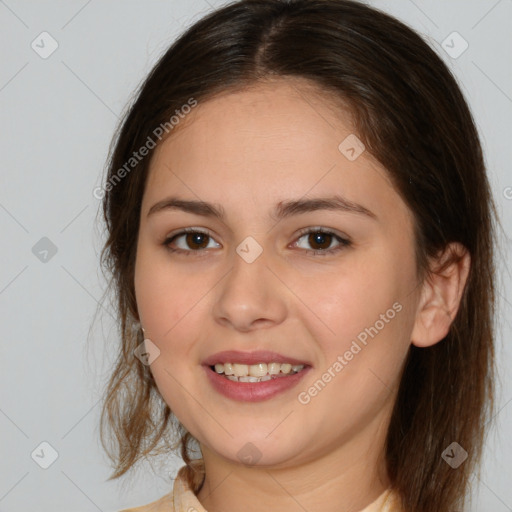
335	203
282	210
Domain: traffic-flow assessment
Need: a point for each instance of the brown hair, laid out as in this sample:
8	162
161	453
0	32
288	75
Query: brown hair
413	118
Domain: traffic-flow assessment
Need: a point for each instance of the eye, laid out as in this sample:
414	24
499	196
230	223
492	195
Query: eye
321	240
189	240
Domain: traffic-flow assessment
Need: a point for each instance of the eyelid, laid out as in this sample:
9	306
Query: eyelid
323	229
193	229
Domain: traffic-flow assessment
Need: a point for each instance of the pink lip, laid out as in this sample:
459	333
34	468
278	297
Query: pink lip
253	391
258	356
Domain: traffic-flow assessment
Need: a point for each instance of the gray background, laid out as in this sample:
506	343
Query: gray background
57	116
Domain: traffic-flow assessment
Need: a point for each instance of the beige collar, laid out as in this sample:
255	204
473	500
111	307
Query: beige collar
183	499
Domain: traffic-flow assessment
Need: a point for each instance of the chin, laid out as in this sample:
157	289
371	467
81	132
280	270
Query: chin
259	451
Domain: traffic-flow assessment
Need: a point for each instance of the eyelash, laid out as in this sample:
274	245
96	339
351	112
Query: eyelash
343	242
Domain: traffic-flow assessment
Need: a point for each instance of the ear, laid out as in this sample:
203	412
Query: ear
440	296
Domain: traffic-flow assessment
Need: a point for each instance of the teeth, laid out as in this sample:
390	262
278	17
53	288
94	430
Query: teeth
258	370
274	368
286	368
248	379
241	370
255	372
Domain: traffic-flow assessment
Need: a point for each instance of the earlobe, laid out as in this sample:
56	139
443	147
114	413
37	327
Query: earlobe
441	295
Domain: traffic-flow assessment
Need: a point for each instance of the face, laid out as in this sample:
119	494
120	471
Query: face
330	285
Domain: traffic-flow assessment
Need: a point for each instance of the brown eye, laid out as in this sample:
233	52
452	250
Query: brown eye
320	241
189	241
193	240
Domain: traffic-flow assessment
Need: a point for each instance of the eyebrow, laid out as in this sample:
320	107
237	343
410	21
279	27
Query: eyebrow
282	210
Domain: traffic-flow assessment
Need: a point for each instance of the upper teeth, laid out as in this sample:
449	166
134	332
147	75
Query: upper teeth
256	370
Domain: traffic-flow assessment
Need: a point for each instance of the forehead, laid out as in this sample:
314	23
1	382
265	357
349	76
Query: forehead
271	115
275	140
272	125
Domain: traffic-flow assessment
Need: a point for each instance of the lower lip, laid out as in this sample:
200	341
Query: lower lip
253	391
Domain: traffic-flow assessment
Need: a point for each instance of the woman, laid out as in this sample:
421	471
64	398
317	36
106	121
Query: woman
300	236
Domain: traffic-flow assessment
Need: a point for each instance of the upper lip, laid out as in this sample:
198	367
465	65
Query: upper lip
258	356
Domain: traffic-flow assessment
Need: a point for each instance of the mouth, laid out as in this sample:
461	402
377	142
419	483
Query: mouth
260	372
253	376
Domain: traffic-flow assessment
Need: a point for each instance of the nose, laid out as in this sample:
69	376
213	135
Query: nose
251	296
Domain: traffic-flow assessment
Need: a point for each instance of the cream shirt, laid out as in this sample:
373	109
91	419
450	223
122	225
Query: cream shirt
183	499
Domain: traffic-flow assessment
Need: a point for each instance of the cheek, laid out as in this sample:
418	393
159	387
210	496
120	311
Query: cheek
165	295
350	298
361	362
168	306
172	305
361	313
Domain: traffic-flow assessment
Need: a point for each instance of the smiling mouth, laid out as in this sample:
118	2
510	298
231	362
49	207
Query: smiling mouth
256	372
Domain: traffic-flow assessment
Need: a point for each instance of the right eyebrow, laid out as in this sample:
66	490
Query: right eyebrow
190	206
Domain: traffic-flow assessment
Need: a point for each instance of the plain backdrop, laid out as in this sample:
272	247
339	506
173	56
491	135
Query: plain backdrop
57	116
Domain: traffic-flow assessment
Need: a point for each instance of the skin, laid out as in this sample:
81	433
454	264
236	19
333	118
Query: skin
248	151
